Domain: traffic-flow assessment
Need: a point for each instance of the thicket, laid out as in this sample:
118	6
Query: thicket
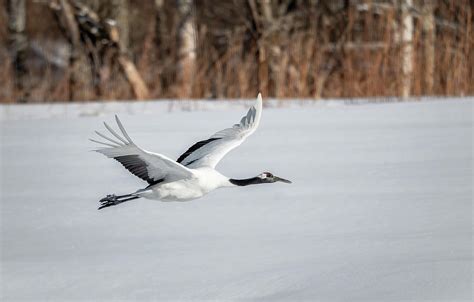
72	50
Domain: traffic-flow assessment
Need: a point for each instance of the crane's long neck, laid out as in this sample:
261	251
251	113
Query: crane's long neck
246	181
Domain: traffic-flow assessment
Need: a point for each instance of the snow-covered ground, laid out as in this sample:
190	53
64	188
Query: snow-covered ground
380	207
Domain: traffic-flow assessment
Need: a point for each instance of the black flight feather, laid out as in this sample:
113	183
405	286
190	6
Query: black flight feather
137	167
194	148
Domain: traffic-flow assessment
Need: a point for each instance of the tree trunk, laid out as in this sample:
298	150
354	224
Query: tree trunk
271	61
429	36
117	10
18	44
80	78
407	48
187	48
131	73
161	28
262	56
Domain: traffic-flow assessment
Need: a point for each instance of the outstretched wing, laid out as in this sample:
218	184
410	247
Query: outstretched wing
151	167
209	152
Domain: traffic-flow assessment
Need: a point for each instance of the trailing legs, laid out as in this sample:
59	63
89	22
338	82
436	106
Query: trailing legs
113	200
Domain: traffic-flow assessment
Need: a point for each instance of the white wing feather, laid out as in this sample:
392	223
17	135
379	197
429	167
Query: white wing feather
149	166
219	144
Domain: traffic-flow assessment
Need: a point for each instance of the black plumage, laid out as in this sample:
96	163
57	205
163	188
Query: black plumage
137	167
194	148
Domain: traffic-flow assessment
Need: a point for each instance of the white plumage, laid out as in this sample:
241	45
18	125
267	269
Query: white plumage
193	174
225	140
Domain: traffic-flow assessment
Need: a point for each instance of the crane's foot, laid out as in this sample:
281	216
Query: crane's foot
108	201
113	200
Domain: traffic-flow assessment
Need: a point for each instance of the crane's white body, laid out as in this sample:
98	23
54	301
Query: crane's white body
203	181
193	175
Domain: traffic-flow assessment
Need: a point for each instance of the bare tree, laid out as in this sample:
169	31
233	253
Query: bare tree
117	10
116	17
407	48
429	36
80	78
18	44
97	45
187	47
263	72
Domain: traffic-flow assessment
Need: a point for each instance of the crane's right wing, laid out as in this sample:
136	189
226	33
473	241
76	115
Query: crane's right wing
209	152
151	167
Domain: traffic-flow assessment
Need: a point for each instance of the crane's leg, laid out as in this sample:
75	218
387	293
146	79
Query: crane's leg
113	200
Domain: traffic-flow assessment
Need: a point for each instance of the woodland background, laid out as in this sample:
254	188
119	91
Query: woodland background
81	50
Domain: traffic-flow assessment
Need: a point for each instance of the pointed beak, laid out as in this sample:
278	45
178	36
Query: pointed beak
282	180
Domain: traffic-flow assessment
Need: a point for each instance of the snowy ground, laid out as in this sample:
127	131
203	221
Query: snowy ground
380	208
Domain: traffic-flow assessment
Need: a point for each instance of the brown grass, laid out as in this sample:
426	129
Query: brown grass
313	55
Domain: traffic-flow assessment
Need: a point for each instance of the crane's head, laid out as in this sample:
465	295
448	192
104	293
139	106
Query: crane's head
263	178
267	177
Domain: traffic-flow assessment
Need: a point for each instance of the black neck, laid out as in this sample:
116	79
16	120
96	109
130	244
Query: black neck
246	182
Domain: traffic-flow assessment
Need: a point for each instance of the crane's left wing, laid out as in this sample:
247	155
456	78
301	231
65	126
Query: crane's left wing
209	152
151	167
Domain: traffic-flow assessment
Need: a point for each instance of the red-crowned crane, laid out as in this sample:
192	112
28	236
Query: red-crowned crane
193	174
